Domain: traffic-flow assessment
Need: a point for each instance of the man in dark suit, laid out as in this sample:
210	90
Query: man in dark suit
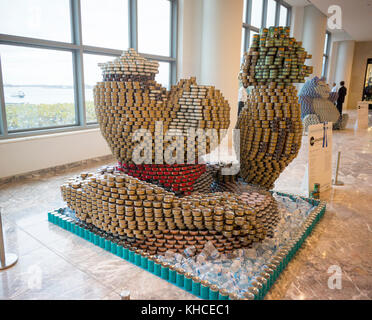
341	96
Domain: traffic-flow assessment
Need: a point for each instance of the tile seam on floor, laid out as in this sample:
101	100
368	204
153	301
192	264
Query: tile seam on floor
87	272
66	260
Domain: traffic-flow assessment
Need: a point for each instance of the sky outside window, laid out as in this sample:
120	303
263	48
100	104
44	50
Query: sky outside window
41	19
154	27
105	23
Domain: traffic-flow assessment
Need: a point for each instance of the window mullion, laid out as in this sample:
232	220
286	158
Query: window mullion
3	123
133	26
248	18
75	12
173	41
35	43
78	68
289	16
248	12
277	13
264	14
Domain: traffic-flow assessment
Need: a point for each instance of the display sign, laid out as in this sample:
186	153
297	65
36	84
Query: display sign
362	116
319	169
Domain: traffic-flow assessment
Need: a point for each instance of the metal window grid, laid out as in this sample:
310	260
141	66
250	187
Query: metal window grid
77	48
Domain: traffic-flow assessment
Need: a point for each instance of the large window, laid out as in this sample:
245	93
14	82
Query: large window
260	14
49	51
39	89
327	44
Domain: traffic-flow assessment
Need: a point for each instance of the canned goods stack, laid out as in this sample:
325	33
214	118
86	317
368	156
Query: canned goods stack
129	100
205	182
156	220
129	67
274	57
198	107
271	131
315	99
270	124
158	207
179	178
309	120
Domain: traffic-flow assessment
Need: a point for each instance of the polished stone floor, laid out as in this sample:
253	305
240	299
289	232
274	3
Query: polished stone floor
54	264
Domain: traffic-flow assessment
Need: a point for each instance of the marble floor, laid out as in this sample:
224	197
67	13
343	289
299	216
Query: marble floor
54	264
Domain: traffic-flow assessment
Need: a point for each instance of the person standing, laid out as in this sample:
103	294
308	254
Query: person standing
242	98
341	96
334	87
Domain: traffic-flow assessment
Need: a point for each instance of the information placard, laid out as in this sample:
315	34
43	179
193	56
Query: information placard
362	115
319	168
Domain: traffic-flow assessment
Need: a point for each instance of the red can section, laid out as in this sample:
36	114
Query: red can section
178	178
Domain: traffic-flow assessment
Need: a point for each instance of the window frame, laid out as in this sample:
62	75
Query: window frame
248	28
77	48
326	55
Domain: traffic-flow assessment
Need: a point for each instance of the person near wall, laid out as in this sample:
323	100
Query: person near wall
334	87
341	96
242	98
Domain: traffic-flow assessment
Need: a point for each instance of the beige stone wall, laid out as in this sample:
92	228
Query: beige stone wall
363	51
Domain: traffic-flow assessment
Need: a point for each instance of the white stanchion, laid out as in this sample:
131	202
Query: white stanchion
7	260
335	181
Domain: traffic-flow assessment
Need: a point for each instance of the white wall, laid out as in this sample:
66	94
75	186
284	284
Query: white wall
22	155
209	45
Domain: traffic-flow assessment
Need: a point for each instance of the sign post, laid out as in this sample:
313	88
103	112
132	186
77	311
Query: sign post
319	168
362	115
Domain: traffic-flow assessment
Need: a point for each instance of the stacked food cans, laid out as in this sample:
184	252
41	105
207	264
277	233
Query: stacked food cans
274	57
179	178
156	220
157	207
129	100
270	124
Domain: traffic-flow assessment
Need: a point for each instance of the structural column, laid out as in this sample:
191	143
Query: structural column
190	15
220	48
297	18
345	55
313	37
209	44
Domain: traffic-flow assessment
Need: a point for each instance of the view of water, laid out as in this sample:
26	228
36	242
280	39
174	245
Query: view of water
47	95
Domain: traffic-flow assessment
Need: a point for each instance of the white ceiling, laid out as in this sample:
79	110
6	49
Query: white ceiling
356	15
